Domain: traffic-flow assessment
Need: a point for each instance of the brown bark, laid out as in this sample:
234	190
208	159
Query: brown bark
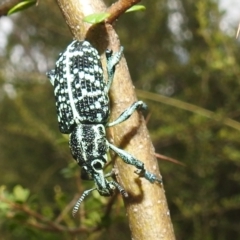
146	205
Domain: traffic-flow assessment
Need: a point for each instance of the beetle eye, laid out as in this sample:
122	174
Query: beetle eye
97	165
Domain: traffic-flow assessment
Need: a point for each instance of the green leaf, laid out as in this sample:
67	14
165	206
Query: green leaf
100	17
21	6
4	195
136	8
96	17
4	206
21	194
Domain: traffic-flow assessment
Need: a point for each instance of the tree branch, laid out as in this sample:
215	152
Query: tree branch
118	8
146	207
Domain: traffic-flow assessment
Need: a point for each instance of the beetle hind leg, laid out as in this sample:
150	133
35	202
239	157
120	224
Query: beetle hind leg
129	159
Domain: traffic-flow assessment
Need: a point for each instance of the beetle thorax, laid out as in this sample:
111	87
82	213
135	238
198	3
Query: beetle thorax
88	142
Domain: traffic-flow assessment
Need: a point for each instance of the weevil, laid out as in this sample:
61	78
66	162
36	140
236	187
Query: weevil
82	104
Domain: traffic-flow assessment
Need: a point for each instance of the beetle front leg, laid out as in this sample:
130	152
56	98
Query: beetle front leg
112	61
128	113
129	159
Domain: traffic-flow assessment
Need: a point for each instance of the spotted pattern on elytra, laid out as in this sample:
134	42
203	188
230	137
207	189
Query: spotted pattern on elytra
79	87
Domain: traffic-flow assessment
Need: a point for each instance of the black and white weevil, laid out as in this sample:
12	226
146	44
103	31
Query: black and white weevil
82	103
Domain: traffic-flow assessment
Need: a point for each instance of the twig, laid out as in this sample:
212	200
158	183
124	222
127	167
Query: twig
189	107
118	8
238	31
41	222
68	207
109	205
165	158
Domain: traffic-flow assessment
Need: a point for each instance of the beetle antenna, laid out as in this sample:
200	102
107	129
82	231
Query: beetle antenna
79	201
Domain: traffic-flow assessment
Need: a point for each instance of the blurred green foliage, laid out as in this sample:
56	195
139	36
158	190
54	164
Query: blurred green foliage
174	49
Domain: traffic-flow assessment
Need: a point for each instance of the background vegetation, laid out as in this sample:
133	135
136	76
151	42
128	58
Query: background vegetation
174	49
